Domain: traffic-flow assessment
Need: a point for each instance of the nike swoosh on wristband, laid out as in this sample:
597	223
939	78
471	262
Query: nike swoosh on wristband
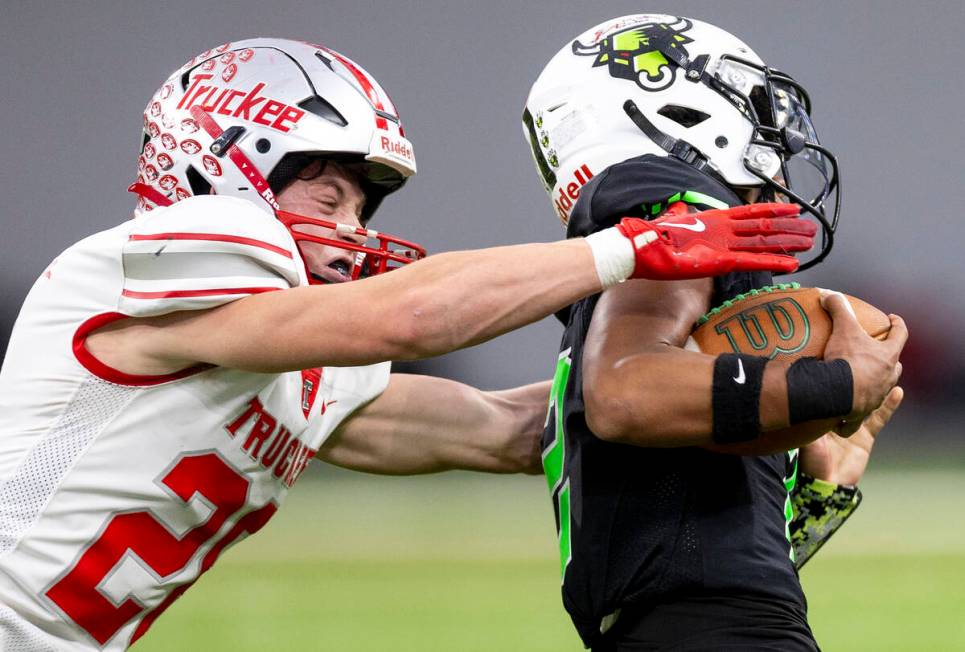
697	226
740	377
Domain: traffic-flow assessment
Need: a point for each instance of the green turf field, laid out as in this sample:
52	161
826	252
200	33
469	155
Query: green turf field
464	563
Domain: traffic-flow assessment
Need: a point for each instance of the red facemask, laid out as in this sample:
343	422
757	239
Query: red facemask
390	253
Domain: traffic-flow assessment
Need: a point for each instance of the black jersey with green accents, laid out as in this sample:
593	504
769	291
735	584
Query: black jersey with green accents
647	525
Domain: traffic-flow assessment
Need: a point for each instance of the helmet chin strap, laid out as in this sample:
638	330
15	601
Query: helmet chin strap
224	144
675	147
241	161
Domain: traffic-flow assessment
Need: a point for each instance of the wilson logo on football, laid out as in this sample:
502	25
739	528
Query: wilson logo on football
397	147
769	329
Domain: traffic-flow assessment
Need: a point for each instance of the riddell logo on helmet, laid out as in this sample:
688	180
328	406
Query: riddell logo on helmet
247	105
568	194
400	149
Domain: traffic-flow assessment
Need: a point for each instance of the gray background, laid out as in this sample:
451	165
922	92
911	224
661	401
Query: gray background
886	79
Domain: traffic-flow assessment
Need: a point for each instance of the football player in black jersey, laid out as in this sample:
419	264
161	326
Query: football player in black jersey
684	507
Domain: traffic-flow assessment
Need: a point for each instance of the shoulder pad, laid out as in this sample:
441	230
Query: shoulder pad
643	187
203	252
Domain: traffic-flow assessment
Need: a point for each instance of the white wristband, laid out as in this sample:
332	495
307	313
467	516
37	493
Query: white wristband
613	256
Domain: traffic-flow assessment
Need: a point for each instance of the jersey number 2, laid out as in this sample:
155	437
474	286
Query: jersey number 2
150	544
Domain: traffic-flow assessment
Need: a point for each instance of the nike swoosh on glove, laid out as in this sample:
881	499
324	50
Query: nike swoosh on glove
751	238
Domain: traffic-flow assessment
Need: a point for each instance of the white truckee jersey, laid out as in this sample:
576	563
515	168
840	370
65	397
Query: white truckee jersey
118	491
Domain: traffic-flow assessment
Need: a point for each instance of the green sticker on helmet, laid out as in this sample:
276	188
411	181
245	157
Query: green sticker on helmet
638	53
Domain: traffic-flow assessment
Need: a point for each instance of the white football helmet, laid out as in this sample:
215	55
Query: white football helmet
246	117
671	86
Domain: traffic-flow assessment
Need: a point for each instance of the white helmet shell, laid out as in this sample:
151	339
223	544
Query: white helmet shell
270	98
575	119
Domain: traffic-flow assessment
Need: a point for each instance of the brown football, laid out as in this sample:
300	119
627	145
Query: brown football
780	321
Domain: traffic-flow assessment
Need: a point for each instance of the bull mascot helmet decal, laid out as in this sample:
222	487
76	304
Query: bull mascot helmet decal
679	87
635	53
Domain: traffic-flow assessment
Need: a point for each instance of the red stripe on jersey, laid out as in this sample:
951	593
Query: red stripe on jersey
174	294
110	374
215	237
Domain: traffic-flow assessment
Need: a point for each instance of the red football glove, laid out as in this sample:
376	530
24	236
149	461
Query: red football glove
710	243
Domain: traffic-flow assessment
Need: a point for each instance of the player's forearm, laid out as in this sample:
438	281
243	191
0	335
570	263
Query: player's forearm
460	299
422	424
490	432
665	399
443	303
515	445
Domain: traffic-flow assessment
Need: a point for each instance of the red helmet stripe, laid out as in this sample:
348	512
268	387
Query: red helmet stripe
237	157
367	87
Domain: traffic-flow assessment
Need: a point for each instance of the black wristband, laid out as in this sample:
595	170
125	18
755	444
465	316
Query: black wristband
737	397
818	389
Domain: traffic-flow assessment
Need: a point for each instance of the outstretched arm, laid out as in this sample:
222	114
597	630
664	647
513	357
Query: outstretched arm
421	424
445	302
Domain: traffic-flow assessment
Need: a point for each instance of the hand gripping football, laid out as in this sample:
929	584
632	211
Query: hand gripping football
782	321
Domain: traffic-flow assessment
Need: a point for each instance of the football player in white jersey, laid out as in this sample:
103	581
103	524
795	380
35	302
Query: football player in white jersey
168	380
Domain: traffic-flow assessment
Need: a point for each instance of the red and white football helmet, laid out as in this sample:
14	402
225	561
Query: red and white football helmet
244	118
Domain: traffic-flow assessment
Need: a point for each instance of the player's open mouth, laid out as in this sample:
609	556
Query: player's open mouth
338	271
